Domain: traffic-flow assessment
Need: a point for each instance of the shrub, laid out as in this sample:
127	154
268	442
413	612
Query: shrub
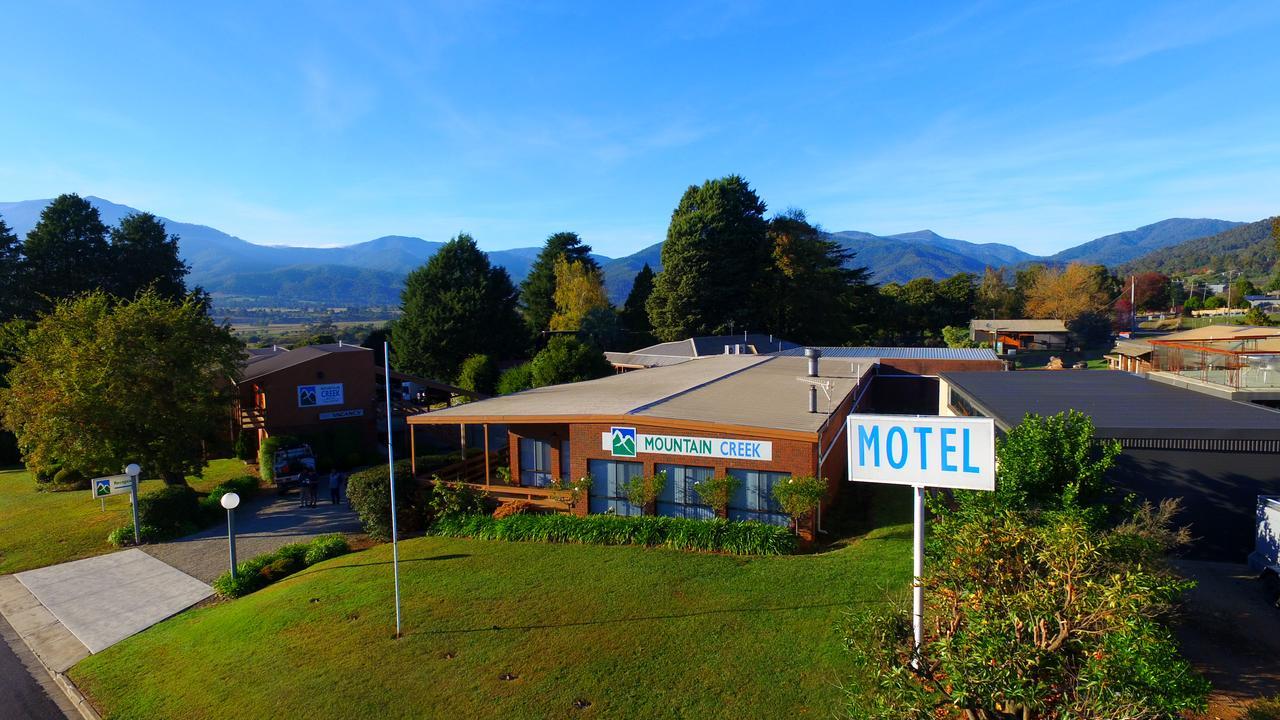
567	359
478	374
1264	709
171	509
716	492
324	548
799	496
569	492
453	498
258	572
370	495
515	507
123	535
246	486
642	490
241	448
719	535
515	379
267	453
70	479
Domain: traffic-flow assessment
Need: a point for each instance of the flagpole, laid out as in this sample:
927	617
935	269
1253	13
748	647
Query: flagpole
391	471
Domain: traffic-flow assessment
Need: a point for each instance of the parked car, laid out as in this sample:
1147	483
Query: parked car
1265	558
289	464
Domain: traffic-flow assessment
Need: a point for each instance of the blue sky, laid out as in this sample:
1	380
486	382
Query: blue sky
1037	124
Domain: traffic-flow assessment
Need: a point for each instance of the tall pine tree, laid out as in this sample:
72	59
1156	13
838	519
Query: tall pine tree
715	263
67	252
537	292
635	318
144	255
455	306
13	299
820	296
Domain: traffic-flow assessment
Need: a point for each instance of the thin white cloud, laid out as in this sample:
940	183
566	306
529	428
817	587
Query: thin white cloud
1186	24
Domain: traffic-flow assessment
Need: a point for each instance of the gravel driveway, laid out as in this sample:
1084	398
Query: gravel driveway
262	525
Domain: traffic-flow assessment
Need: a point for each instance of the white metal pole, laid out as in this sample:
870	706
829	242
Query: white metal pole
391	470
231	538
133	501
917	569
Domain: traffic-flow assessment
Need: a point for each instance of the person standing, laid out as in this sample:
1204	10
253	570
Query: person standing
335	486
314	487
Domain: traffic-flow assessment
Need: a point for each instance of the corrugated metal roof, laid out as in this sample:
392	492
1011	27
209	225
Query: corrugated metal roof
1122	405
265	365
1031	325
897	353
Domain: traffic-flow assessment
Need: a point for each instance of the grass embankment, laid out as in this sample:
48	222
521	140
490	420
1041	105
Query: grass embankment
44	528
635	632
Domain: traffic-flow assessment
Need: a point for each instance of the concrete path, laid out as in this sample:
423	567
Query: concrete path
262	525
103	600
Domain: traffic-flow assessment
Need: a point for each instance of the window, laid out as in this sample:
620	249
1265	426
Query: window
753	499
564	461
609	486
678	498
535	462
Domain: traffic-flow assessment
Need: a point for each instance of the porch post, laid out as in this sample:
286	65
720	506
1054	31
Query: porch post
462	441
413	450
486	456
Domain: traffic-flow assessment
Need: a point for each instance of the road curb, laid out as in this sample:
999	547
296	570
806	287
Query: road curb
73	694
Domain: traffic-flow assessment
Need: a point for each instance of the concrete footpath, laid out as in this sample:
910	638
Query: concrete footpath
262	525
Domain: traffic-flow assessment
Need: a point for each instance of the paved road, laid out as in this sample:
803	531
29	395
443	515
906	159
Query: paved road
22	695
262	525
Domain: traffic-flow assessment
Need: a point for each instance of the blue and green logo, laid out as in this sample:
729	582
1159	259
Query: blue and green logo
624	441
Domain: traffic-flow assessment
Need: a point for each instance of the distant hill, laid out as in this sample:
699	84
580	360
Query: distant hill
1122	247
372	272
1247	248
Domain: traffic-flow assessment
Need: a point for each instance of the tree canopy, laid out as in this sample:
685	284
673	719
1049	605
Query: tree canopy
634	316
454	306
567	359
715	262
537	292
579	291
66	253
12	279
100	383
817	293
145	255
1069	293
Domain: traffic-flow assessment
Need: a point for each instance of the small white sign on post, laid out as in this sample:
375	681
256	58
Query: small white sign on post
110	485
942	452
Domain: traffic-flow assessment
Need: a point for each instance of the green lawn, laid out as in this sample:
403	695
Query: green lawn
636	632
44	528
1034	359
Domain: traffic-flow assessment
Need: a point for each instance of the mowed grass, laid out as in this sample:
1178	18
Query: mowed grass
635	632
44	528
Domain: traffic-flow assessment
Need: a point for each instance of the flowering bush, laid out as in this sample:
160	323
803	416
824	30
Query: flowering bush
643	490
572	491
799	496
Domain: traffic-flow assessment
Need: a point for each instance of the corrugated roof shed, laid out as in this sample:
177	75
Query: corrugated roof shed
1121	405
1029	325
897	353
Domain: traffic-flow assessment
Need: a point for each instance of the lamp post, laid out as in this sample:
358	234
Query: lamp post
133	471
230	501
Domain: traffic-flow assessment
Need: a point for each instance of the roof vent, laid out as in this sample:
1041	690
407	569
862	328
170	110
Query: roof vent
812	354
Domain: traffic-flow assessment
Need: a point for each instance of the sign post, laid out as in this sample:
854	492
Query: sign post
391	471
133	471
940	452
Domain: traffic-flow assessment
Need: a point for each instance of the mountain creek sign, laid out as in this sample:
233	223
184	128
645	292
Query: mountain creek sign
626	442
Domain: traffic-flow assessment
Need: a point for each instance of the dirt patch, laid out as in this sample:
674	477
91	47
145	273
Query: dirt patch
1231	634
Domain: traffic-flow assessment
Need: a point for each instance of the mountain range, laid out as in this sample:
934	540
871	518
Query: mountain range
237	271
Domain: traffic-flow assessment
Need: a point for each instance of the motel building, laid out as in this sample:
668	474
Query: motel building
759	418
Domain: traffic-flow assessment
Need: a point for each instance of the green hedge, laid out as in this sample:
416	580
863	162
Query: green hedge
177	510
370	494
741	538
263	570
246	486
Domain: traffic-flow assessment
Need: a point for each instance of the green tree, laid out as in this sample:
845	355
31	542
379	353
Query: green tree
956	296
66	252
634	316
957	336
579	290
455	306
537	292
478	374
567	359
13	301
516	379
995	298
100	383
1041	599
1258	318
818	296
715	262
145	255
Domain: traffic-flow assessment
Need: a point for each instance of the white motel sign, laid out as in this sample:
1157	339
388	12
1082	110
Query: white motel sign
942	452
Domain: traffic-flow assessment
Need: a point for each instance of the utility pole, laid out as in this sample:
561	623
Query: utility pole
1133	302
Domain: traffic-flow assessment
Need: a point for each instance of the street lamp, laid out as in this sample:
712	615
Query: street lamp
230	501
133	471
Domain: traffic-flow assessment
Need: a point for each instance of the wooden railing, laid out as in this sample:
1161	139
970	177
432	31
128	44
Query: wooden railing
252	419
